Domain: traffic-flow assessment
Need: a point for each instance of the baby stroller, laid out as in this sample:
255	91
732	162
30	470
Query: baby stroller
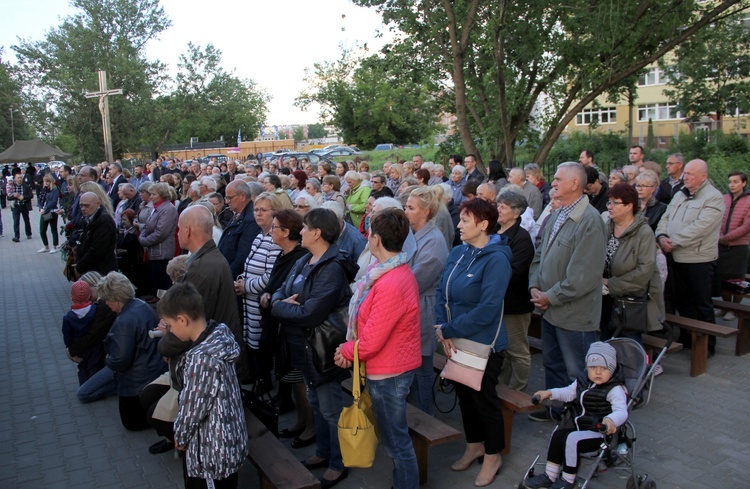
618	450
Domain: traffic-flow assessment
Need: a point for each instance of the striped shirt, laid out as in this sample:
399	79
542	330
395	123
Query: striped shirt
258	266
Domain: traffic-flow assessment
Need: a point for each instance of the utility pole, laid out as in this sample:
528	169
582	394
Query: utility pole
12	128
103	96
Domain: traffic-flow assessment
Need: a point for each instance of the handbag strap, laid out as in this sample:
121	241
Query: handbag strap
499	325
356	376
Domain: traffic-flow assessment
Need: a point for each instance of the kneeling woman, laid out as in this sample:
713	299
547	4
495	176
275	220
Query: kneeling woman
389	338
132	358
470	305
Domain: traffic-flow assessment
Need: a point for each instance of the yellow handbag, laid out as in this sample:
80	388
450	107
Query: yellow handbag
358	437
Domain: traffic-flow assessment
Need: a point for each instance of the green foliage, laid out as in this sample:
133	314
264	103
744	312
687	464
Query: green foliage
709	72
298	134
111	35
316	131
108	35
373	104
12	120
610	149
500	56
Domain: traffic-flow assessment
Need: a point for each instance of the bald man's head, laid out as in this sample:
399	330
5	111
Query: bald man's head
89	203
487	191
695	174
195	228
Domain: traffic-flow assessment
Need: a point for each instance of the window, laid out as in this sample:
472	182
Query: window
601	115
653	76
658	112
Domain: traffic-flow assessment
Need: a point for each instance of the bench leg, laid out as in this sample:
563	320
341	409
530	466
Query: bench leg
508	426
743	336
699	354
420	449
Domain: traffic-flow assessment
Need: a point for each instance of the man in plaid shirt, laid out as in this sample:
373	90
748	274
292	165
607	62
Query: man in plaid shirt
20	194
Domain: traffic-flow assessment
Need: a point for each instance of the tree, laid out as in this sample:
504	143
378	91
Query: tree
709	72
519	65
108	35
299	133
210	103
12	120
375	103
316	131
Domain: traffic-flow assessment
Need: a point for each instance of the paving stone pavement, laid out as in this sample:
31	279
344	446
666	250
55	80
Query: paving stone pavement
693	434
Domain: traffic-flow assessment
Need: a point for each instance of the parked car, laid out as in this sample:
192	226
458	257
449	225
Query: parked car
311	157
385	147
340	151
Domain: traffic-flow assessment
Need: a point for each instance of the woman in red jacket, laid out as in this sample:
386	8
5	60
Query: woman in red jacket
389	338
734	235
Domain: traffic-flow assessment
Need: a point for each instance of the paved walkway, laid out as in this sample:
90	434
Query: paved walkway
693	435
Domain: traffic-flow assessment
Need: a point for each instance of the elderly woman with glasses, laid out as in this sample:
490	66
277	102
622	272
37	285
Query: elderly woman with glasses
253	281
646	184
630	263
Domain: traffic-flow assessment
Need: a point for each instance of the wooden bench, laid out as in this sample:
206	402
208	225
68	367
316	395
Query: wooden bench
276	465
653	343
699	333
511	402
742	311
425	431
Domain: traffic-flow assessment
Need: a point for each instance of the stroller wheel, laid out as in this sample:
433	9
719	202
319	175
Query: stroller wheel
643	483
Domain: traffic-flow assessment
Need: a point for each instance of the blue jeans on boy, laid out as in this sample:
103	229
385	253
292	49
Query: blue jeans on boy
389	403
564	354
101	384
327	403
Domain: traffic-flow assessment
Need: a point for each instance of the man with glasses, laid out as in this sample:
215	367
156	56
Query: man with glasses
673	183
379	186
96	249
238	236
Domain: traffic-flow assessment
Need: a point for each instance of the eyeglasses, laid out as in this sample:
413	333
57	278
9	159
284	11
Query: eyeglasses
274	227
612	203
258	210
228	197
298	206
645	186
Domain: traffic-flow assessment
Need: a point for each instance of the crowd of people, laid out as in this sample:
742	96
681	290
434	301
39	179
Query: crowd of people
242	261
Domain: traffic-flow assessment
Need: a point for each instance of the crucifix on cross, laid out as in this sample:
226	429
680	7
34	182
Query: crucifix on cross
103	96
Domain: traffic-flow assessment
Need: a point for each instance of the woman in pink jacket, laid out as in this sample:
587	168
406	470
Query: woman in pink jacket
734	235
389	338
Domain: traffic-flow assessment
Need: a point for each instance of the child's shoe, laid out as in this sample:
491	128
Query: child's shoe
561	483
538	482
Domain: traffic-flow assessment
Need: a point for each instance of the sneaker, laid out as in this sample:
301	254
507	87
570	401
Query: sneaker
43	250
54	250
16	240
538	482
729	316
658	370
718	312
541	416
562	484
28	237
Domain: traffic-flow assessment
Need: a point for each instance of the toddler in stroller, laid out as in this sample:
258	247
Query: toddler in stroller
598	399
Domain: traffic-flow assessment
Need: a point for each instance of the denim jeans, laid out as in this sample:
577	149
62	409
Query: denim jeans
100	385
327	403
421	387
389	403
564	354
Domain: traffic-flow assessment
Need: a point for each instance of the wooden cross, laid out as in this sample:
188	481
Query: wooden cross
103	96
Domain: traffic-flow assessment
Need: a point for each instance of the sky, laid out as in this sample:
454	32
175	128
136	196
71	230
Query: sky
270	42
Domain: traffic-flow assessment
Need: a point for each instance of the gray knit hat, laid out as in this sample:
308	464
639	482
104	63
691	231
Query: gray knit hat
602	355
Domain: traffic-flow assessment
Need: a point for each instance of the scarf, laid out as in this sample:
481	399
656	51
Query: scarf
363	286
